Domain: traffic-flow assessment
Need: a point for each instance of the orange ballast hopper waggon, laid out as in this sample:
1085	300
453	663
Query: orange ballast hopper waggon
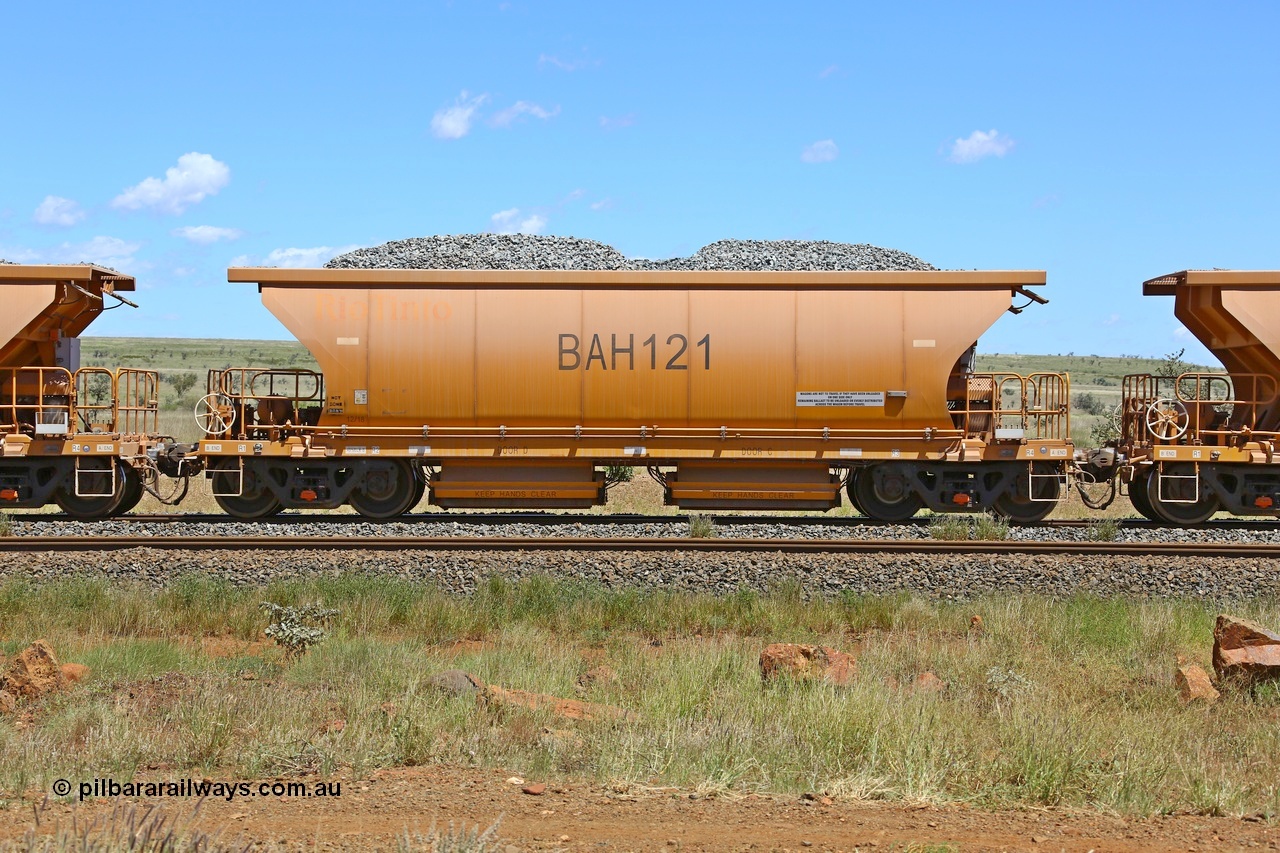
737	390
1202	442
85	438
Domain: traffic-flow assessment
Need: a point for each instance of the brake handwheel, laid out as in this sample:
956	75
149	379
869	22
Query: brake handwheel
212	415
1167	418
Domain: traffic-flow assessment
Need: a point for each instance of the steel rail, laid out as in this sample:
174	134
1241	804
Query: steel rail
47	544
553	519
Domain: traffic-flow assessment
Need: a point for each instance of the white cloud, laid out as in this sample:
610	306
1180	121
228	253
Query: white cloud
101	250
828	71
545	59
455	122
56	210
104	251
602	204
513	221
296	258
196	177
504	118
292	258
206	234
18	255
615	123
822	151
979	145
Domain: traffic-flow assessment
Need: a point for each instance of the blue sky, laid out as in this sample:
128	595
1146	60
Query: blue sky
1106	143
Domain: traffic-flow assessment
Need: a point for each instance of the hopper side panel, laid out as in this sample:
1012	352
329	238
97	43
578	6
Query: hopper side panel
748	339
626	343
333	326
938	327
35	314
1257	311
1200	310
23	304
517	356
849	341
421	356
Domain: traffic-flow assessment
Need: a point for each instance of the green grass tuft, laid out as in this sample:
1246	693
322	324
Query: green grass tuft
1106	530
982	527
702	526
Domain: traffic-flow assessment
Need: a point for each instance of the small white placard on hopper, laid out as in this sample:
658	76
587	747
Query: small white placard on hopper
850	399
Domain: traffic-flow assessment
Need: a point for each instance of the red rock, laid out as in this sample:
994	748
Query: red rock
568	709
1193	684
335	726
34	673
976	625
74	672
1244	651
803	662
537	789
8	704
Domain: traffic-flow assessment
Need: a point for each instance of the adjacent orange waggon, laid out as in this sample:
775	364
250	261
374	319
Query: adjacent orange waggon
736	390
85	438
1194	444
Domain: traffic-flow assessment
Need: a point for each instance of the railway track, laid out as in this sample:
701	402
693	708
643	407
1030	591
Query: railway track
556	519
47	544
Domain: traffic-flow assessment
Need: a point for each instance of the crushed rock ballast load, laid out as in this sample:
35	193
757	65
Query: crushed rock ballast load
533	252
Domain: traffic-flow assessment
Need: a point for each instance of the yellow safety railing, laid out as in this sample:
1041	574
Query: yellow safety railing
1010	405
36	401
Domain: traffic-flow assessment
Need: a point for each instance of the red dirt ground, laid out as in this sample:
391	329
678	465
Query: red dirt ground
580	817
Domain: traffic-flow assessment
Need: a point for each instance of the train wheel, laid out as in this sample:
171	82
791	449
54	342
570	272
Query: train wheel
93	507
389	489
419	489
884	493
1166	507
133	491
1138	495
1017	506
850	489
255	499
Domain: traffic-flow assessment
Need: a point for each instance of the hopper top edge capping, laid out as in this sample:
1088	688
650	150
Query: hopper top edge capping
711	279
66	272
1167	285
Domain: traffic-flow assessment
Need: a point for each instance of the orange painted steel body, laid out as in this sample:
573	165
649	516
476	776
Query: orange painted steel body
621	350
1236	315
513	386
77	436
44	302
1203	442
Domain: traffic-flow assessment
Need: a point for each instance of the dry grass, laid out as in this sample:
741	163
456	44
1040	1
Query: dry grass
1057	703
